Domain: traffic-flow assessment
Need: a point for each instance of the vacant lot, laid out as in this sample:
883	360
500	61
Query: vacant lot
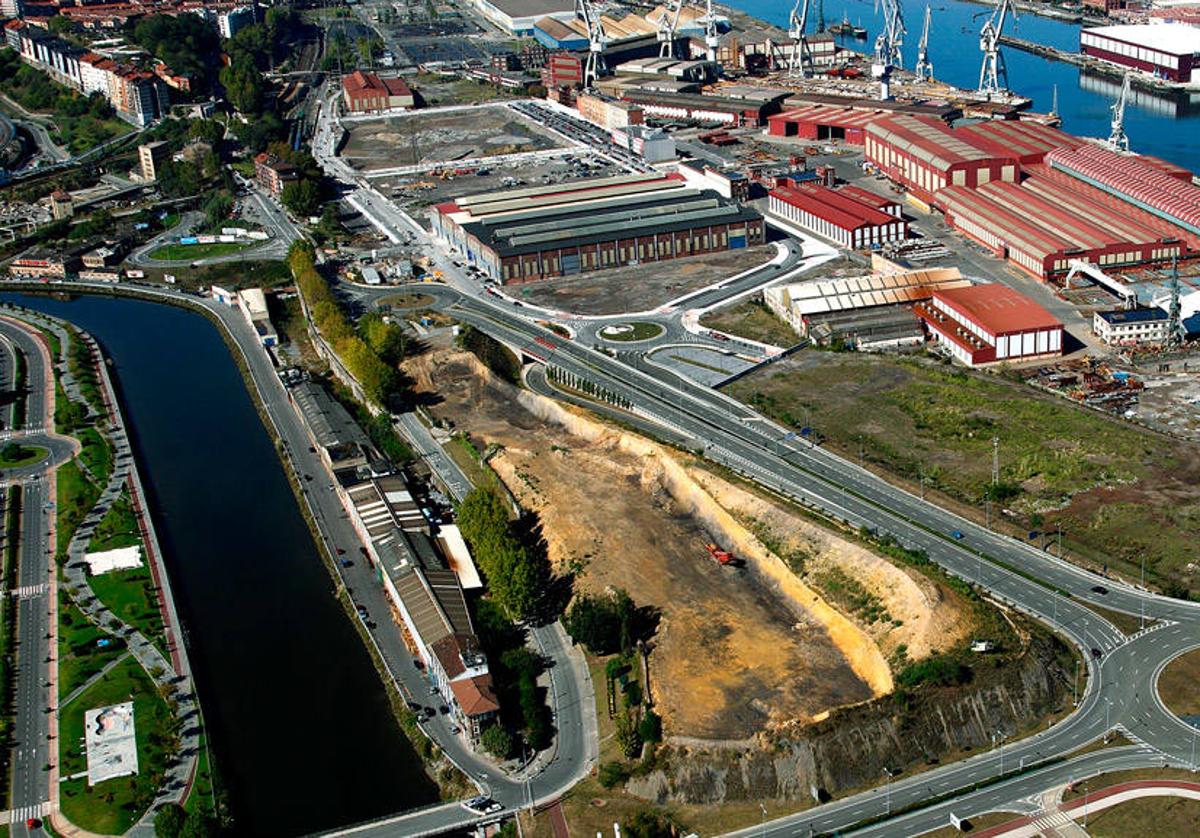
730	656
752	319
1177	684
431	137
641	287
1118	492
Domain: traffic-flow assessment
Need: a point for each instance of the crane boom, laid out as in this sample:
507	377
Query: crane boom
993	74
668	24
800	62
888	56
597	41
924	67
1117	139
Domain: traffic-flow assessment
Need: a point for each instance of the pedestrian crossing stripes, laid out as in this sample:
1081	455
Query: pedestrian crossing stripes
1050	823
23	813
27	591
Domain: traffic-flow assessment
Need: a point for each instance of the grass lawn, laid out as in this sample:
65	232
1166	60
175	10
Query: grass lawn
79	658
1147	816
130	594
191	252
753	320
1177	684
83	133
405	301
96	453
118	527
76	496
203	794
1117	491
113	806
631	331
15	456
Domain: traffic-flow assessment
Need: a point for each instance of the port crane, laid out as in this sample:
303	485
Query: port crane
993	70
924	67
887	45
712	38
668	24
1117	139
800	63
597	41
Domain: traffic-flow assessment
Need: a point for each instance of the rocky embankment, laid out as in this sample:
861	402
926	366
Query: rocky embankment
851	748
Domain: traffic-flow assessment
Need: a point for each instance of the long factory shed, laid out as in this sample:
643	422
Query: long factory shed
528	234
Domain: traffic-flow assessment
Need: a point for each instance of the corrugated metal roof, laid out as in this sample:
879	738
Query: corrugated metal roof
1014	231
997	308
1132	179
931	141
1028	141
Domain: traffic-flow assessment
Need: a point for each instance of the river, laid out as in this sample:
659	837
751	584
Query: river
296	714
1155	125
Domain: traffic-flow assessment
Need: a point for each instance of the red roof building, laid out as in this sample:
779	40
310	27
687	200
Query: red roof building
369	93
988	324
848	219
925	155
272	173
826	122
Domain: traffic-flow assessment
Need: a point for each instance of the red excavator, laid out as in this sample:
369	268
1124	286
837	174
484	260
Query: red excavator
723	557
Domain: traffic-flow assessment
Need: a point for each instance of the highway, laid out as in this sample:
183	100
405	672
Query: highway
1120	670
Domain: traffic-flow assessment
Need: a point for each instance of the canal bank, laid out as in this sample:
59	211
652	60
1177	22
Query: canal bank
299	720
1164	126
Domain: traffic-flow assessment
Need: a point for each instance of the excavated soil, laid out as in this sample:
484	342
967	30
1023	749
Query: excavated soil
733	655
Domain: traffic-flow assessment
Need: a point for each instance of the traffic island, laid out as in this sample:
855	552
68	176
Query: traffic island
631	332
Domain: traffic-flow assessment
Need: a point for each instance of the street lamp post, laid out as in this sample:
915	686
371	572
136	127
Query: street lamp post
763	823
1142	599
887	772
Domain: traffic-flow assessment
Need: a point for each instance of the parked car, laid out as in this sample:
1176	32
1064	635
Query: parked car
957	534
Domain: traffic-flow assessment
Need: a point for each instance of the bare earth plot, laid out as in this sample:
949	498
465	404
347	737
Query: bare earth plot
640	287
1118	492
731	655
432	137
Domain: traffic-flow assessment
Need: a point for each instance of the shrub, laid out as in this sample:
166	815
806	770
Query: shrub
650	727
613	774
496	741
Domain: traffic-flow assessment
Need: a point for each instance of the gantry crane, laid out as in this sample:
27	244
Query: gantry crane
800	62
887	45
924	67
668	24
1117	140
597	41
712	38
993	69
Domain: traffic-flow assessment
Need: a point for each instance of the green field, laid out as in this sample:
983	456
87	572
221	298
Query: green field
192	252
753	320
115	805
76	496
79	656
1118	492
96	454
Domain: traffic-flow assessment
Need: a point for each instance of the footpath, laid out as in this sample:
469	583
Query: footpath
171	675
1064	818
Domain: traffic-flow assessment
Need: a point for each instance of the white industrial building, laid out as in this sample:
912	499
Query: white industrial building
517	17
1128	327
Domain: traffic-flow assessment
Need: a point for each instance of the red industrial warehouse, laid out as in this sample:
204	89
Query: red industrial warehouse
824	122
1027	141
1140	184
924	155
987	324
850	220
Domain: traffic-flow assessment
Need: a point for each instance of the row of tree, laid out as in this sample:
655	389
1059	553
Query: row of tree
378	378
518	575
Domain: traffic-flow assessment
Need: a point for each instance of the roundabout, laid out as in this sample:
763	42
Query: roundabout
631	332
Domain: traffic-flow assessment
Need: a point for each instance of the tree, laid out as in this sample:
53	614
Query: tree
243	85
168	821
187	44
179	179
217	208
613	774
256	134
650	727
302	197
60	25
386	340
626	734
496	741
605	624
647	823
